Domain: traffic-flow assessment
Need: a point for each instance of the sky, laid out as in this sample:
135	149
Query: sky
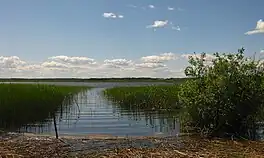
122	38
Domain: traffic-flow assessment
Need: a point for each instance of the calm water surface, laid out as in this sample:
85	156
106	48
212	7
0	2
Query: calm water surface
92	113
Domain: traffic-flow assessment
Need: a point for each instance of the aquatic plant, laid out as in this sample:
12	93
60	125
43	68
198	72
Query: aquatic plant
226	96
29	103
145	97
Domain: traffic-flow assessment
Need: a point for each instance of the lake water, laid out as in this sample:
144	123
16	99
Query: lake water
93	114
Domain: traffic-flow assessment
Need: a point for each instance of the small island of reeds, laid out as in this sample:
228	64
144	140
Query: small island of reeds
158	97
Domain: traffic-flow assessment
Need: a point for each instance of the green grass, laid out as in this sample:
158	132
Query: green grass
145	97
29	103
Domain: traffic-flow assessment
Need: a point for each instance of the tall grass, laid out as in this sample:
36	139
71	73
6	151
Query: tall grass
145	97
22	104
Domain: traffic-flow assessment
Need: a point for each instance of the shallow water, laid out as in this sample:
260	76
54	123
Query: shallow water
93	114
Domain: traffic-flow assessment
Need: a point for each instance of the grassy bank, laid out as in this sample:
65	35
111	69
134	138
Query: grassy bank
145	97
27	103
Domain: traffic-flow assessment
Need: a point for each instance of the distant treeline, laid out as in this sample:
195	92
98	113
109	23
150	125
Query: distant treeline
132	79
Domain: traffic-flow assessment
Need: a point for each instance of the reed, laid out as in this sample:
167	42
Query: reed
145	97
22	104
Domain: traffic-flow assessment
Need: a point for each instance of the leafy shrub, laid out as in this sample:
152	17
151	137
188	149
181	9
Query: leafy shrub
226	95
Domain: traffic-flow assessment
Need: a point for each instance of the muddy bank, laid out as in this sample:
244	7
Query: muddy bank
20	145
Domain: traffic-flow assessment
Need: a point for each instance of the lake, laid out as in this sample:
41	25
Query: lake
93	114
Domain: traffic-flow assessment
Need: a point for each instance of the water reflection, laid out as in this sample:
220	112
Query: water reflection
90	112
37	115
68	111
160	122
45	125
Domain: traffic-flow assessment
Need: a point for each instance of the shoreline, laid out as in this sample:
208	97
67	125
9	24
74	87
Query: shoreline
32	145
100	136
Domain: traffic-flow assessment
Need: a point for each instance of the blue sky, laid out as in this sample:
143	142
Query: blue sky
47	38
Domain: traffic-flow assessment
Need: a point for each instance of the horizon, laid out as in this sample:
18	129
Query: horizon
96	78
121	39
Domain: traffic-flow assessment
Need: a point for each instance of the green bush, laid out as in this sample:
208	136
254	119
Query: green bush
225	96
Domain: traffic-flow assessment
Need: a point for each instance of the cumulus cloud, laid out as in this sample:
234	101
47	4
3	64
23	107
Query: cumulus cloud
53	64
117	63
163	24
158	24
155	62
151	6
112	15
150	65
11	62
73	60
32	67
170	8
262	51
259	28
76	66
159	58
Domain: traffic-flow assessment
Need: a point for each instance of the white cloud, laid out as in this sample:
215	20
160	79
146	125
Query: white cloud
73	60
112	15
163	24
77	66
32	68
120	16
173	27
176	28
170	8
118	63
158	24
151	6
262	51
11	62
54	64
150	65
259	28
156	62
159	58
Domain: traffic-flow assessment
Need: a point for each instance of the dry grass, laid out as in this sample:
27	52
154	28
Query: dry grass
164	148
193	148
33	148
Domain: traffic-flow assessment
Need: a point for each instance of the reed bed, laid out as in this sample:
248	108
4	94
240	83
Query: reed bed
145	97
22	104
